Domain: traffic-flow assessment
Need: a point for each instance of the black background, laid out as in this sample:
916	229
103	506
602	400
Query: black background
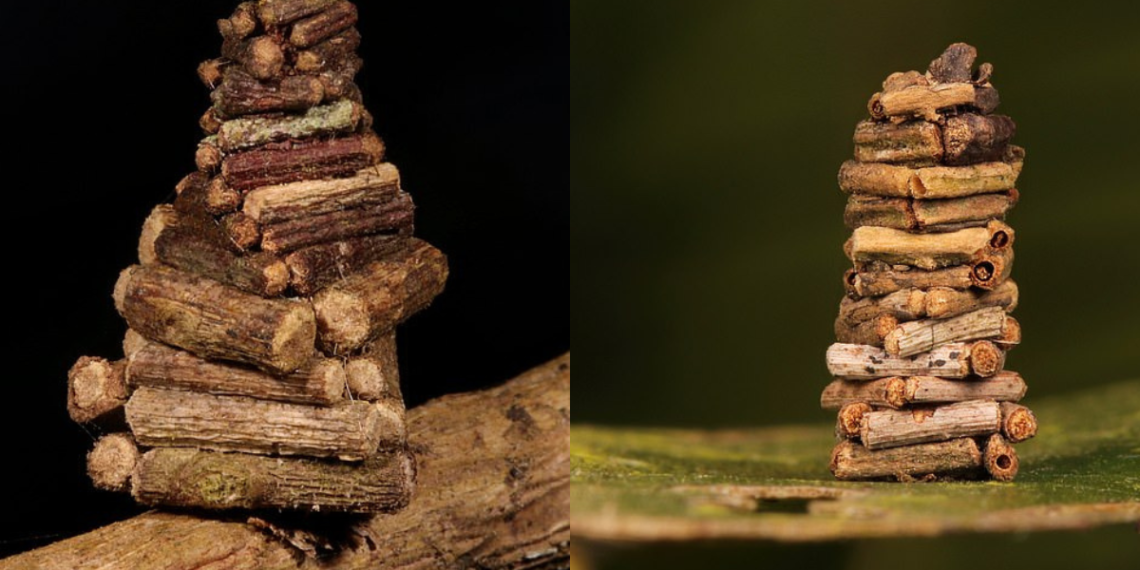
100	111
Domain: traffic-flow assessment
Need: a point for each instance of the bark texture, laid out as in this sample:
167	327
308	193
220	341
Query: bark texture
929	251
247	132
1000	458
928	183
395	216
371	186
201	247
111	462
352	431
374	375
915	337
215	321
1018	423
493	493
291	161
915	143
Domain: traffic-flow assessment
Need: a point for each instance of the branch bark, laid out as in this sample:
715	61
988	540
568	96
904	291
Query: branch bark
493	492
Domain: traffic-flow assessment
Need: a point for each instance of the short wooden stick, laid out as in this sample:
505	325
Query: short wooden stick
1018	423
373	301
351	431
315	267
111	462
374	185
374	375
263	57
241	23
955	360
896	392
914	143
1010	334
850	419
333	53
870	332
213	320
161	217
248	132
850	461
394	216
971	138
1000	458
927	216
274	13
916	337
96	389
321	26
212	480
201	247
932	182
242	94
292	161
987	272
896	428
154	365
928	251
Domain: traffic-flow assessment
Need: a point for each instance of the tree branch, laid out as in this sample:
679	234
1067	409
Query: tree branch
493	492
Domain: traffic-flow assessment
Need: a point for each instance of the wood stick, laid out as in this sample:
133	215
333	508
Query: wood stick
155	365
351	431
210	72
208	157
927	215
241	24
1018	423
248	132
201	247
324	25
373	185
1000	458
96	390
395	216
896	428
932	182
922	101
915	337
870	332
132	343
954	65
162	216
331	54
212	480
972	138
374	375
275	13
914	143
955	360
928	251
853	462
372	302
210	122
243	232
850	419
896	392
512	471
262	57
936	303
904	305
215	321
242	94
279	163
204	197
315	267
338	83
111	462
1010	335
987	272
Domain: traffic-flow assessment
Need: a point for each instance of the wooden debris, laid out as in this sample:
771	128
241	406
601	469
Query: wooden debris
96	389
1017	422
897	392
1000	458
954	360
111	462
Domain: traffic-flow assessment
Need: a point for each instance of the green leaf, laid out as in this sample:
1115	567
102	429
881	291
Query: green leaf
1082	470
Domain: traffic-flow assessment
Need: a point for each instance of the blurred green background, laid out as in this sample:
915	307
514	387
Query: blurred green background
707	233
706	256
